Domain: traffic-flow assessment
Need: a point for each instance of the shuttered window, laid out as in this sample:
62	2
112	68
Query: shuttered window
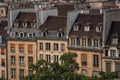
84	60
30	48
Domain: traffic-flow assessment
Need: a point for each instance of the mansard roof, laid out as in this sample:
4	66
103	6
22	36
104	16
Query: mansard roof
63	9
55	23
83	20
114	32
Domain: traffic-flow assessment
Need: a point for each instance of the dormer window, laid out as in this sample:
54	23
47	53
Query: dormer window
76	28
24	24
44	34
60	34
30	35
33	25
98	29
12	34
21	35
16	24
114	40
0	39
87	28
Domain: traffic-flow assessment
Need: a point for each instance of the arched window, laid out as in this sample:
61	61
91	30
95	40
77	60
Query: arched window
21	35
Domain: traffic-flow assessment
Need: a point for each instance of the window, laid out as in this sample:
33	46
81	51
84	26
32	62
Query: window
30	35
12	34
84	72
24	24
95	73
16	24
41	56
72	41
21	35
62	47
30	72
30	60
55	58
44	34
76	28
2	62
2	51
21	48
30	48
89	42
21	73
21	60
83	42
47	46
13	73
55	46
108	67
41	45
98	29
95	43
48	58
3	73
95	61
115	41
112	53
78	41
2	11
84	60
12	48
87	28
106	52
13	60
33	24
117	67
59	34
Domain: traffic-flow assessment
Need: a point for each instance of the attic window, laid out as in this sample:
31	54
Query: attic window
21	35
24	24
87	27
60	34
30	35
114	40
0	39
44	34
98	29
16	24
76	28
12	34
33	25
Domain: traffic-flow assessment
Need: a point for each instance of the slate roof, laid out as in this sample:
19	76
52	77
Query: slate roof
3	24
114	32
55	23
63	9
83	20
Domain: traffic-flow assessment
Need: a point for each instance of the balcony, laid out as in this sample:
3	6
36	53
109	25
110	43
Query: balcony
84	63
22	64
13	63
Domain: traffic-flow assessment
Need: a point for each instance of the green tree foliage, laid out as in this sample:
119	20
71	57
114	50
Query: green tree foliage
65	71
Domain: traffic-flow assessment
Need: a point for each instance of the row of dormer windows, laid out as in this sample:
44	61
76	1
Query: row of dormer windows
59	34
85	42
87	28
21	35
25	24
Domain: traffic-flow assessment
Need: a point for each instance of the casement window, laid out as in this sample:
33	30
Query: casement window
55	58
21	35
12	48
30	48
2	62
60	34
41	56
72	41
84	60
83	42
41	46
47	46
21	60
24	24
98	29
12	34
3	73
114	40
84	72
117	67
63	47
112	53
13	73
44	34
21	48
21	73
13	60
108	66
2	51
30	59
78	41
30	35
33	25
56	46
95	60
16	24
95	43
48	58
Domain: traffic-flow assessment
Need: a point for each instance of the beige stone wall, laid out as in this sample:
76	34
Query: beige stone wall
17	54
